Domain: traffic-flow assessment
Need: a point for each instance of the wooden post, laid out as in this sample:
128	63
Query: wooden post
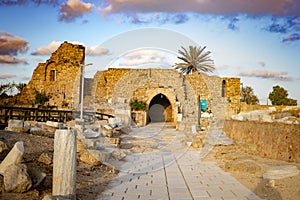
64	164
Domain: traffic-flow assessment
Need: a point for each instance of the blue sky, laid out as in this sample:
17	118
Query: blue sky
257	41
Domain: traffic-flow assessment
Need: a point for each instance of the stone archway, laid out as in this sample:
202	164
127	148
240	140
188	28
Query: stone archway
160	109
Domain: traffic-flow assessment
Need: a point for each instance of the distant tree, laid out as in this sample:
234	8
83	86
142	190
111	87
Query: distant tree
279	96
6	89
248	96
194	59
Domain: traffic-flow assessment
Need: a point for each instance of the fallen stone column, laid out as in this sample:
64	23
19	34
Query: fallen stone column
15	156
64	164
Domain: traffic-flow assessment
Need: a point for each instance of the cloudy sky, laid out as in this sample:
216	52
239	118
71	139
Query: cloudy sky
257	40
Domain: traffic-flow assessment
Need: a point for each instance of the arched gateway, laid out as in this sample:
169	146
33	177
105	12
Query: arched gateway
169	96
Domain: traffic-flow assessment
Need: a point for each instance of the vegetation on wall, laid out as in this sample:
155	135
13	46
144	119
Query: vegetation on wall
279	96
41	97
138	105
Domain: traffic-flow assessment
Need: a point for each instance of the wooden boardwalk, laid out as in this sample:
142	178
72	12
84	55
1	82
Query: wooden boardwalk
43	115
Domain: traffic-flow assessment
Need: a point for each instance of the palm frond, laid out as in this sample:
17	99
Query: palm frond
194	59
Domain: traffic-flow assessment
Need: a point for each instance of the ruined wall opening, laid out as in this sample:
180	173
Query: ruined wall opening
160	109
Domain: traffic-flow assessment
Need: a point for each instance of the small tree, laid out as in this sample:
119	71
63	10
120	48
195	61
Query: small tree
41	98
248	96
138	105
279	96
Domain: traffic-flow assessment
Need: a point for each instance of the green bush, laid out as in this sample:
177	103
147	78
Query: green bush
138	105
41	98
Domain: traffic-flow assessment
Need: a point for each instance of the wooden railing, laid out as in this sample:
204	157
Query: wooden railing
43	115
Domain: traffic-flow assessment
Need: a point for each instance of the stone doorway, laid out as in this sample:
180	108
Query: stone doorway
160	109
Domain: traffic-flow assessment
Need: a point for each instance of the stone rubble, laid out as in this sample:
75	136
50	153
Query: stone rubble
269	116
17	176
280	172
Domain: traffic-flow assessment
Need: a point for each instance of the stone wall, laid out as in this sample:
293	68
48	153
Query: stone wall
115	88
232	95
273	140
57	77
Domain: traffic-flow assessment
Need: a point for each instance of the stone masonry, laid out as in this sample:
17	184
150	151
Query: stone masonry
56	77
112	90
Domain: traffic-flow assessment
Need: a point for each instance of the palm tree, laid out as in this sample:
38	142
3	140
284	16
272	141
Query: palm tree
196	59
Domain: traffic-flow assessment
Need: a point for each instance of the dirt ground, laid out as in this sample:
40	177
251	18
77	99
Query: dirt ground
90	180
238	159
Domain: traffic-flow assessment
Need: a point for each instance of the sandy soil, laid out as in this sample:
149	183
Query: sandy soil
241	161
238	159
90	180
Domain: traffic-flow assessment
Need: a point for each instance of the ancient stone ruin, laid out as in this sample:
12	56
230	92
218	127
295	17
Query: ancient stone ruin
112	90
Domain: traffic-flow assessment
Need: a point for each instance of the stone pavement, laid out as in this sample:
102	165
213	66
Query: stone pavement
173	175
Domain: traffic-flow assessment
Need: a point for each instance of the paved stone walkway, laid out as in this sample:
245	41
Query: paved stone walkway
173	175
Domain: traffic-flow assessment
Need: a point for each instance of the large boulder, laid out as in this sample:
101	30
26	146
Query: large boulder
16	178
15	156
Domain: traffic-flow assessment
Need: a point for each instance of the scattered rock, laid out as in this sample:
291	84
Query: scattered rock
3	147
49	128
279	172
114	122
88	158
15	156
16	178
15	123
118	154
36	176
91	134
45	158
41	132
126	146
107	131
54	124
238	117
30	123
18	129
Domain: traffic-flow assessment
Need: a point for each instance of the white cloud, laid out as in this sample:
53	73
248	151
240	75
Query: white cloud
254	7
73	9
53	46
278	76
144	57
7	59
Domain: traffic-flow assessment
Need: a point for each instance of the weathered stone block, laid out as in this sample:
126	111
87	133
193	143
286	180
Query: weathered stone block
64	164
15	156
16	178
15	123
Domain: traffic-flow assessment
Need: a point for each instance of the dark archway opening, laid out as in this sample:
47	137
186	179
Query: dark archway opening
160	109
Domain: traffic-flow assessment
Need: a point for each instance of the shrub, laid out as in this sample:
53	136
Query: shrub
138	105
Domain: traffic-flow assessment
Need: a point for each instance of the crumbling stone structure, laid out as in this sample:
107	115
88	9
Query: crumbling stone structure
112	90
58	77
